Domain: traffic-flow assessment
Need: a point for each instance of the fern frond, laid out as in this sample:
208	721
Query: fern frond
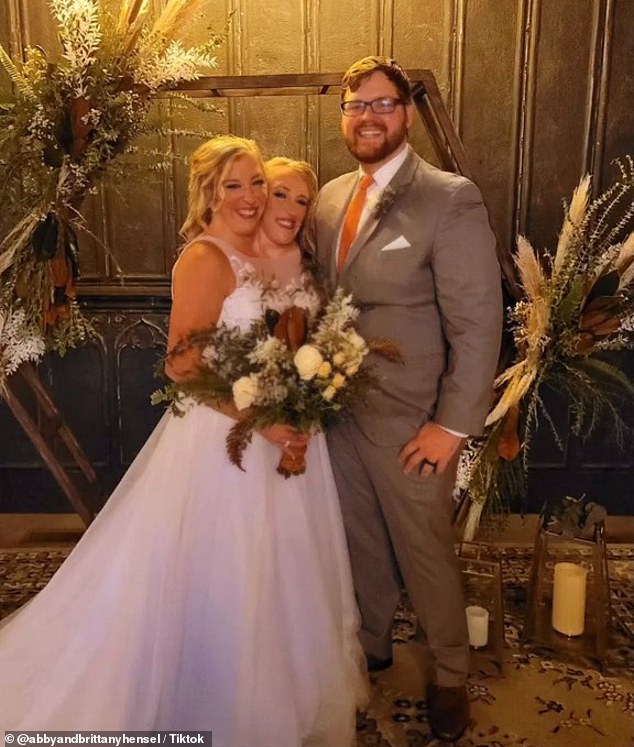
238	438
19	81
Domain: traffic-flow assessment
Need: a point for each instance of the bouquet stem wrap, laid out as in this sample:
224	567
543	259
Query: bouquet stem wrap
292	463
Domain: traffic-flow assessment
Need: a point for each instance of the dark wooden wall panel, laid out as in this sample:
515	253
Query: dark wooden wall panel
488	104
561	89
619	87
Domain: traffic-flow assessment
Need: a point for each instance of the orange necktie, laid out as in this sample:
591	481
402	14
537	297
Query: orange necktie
351	221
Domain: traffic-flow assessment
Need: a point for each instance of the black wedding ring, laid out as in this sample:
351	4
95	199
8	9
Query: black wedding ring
433	465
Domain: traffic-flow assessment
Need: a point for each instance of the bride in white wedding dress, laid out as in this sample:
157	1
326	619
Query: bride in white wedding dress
203	597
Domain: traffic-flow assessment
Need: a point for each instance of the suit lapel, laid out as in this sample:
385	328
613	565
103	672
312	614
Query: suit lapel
399	184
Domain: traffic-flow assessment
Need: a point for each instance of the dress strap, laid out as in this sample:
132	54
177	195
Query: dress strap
242	269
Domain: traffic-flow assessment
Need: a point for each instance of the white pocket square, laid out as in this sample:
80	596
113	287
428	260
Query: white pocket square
399	243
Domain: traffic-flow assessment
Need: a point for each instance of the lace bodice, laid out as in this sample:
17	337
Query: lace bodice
261	283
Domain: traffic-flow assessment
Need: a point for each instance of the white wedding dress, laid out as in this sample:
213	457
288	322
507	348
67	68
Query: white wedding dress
201	597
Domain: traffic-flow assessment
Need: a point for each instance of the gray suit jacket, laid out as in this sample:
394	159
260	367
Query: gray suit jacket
439	299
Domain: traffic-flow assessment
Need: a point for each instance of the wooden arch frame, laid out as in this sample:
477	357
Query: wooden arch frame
427	99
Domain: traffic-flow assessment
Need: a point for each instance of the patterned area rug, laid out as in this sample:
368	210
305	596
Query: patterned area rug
529	698
533	697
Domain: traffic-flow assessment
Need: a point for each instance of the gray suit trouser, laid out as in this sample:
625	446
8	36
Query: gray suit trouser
395	522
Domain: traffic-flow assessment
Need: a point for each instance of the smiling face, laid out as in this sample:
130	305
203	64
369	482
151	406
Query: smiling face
374	138
241	197
289	198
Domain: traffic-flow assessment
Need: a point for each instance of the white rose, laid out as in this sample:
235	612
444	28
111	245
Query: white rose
338	359
329	392
245	390
307	361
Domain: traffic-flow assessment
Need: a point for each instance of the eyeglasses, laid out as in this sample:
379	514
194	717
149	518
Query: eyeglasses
355	108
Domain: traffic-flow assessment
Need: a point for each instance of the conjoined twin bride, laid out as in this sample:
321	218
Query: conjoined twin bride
205	597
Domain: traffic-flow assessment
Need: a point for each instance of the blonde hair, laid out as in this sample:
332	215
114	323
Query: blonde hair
208	166
303	168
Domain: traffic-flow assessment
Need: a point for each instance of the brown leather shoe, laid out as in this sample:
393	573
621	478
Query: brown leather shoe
448	711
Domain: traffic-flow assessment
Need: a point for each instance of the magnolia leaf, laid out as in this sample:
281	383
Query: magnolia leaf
585	343
508	445
292	327
72	250
44	237
604	303
605	285
600	321
64	130
80	130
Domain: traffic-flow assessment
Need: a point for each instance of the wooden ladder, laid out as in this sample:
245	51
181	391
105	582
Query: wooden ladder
46	430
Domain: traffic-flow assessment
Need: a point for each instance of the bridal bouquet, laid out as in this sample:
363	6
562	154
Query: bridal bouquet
289	367
64	123
578	307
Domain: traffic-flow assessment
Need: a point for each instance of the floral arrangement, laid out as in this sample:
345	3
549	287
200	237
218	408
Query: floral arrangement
577	306
288	367
381	203
64	127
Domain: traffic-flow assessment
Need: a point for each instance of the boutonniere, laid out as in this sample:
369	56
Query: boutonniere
383	202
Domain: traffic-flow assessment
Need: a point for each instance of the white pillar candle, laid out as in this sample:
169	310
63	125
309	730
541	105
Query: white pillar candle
478	626
569	598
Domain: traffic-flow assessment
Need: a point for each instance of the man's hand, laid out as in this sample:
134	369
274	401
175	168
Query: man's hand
430	451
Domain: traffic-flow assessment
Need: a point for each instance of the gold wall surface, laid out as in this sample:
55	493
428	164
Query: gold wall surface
540	92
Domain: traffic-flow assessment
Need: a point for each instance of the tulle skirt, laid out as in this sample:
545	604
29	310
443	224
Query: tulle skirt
202	597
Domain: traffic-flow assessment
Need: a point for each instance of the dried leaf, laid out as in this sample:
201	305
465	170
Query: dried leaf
508	446
599	323
80	130
604	286
518	385
386	348
291	327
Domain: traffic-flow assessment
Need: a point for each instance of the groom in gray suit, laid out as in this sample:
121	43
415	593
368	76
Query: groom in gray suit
414	247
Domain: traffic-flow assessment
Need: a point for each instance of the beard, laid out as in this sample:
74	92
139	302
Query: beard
375	152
